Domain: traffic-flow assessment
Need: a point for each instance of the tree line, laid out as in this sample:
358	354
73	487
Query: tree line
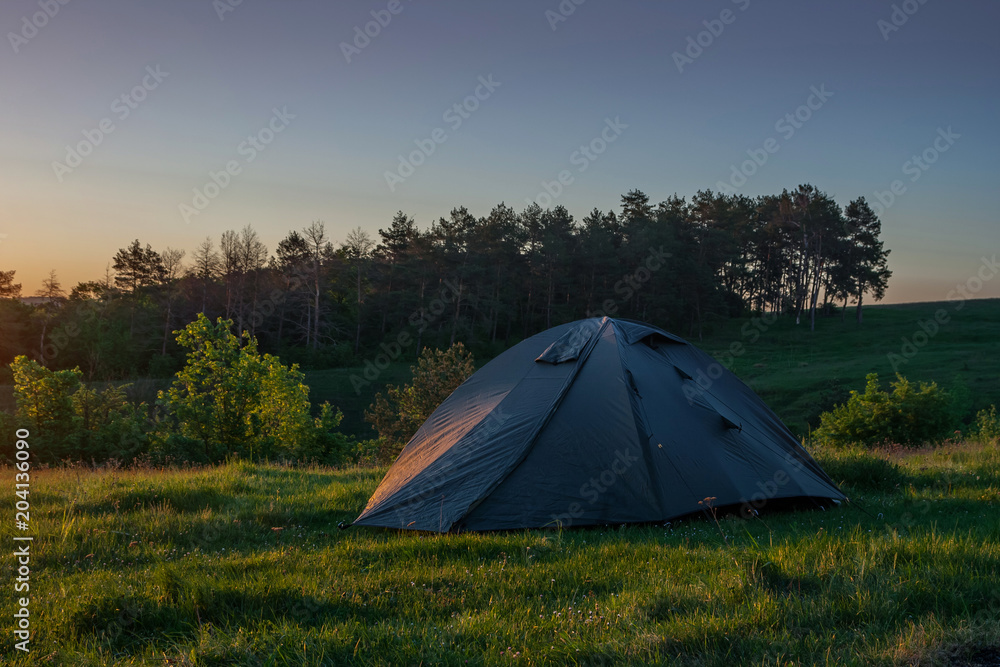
681	264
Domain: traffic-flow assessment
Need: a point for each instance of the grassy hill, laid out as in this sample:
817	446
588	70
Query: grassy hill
797	372
243	565
801	373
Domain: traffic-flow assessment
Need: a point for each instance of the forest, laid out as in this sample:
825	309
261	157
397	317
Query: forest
681	264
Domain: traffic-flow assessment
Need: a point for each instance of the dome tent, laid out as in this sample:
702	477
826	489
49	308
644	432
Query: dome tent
594	422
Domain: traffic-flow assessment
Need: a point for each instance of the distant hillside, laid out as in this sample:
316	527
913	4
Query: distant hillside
798	373
801	373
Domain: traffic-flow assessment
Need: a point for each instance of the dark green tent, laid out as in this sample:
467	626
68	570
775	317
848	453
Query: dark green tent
595	422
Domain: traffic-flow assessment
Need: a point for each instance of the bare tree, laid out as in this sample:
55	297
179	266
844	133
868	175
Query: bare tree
172	270
319	247
358	247
52	290
229	266
51	287
172	264
252	258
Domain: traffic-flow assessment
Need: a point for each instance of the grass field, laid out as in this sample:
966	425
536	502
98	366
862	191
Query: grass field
797	372
244	565
801	374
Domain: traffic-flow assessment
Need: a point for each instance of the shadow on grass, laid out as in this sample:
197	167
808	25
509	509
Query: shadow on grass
129	623
182	500
862	471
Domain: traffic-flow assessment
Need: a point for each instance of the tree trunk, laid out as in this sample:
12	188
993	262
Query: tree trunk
458	309
548	304
41	344
357	335
281	317
253	310
420	329
315	341
166	329
803	277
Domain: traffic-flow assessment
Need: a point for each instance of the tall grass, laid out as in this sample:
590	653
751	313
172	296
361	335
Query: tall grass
244	565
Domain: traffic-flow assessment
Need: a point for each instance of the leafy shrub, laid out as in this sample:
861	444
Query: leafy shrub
986	428
168	448
366	452
71	421
230	399
44	401
909	415
107	425
398	414
327	444
9	424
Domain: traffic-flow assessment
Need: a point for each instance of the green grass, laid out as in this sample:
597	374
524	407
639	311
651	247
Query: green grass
797	372
243	565
800	374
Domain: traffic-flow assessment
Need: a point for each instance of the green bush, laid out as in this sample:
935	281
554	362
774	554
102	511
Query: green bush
107	425
9	424
168	448
910	415
231	400
69	420
398	414
986	428
45	403
327	444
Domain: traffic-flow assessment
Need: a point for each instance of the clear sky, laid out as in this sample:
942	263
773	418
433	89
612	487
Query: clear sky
200	77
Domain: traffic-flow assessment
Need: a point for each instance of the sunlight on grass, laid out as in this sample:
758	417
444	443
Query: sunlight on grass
243	565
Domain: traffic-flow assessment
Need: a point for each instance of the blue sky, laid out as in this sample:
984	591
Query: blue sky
222	75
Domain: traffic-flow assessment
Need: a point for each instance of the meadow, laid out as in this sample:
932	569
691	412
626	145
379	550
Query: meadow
797	372
243	564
